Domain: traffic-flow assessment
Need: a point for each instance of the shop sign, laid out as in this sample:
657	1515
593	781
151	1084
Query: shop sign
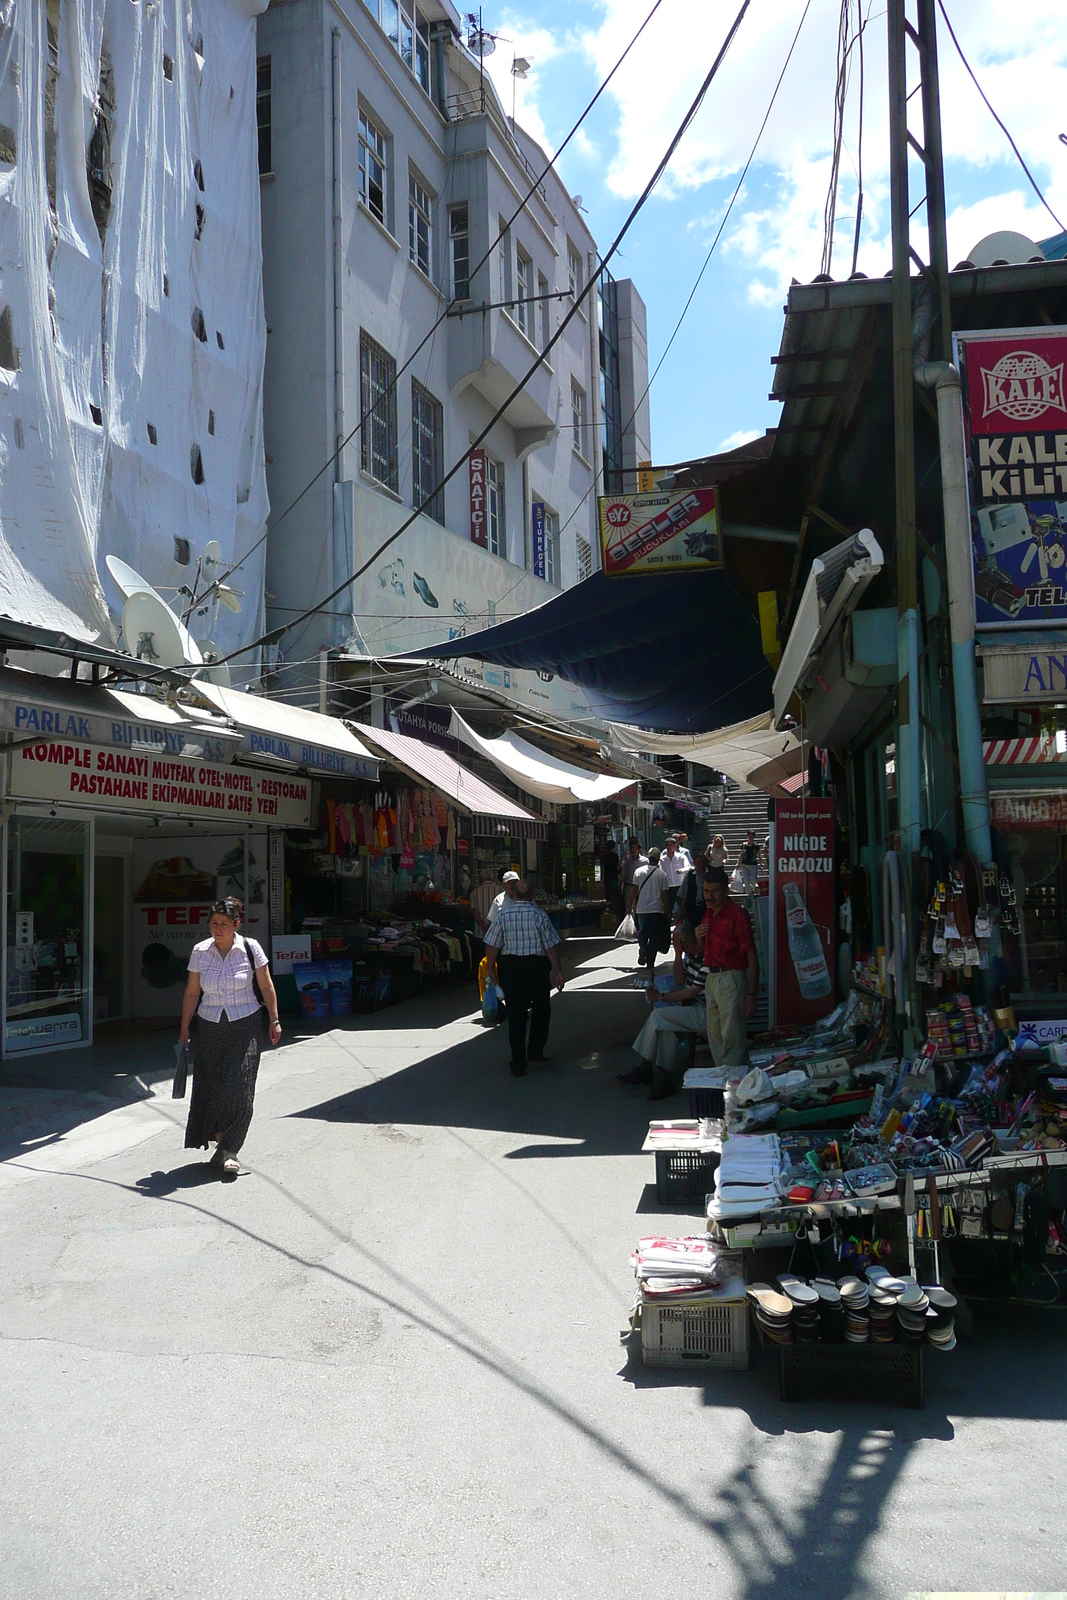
662	532
1016	418
428	723
537	538
289	948
1040	1032
85	774
27	715
318	758
479	535
1015	676
40	1033
802	887
1034	810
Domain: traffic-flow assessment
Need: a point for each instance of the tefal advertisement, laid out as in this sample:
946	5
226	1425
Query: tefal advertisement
1016	417
674	531
802	885
175	882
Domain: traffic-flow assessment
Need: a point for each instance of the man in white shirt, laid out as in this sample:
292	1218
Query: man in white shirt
653	911
523	946
633	859
486	901
674	864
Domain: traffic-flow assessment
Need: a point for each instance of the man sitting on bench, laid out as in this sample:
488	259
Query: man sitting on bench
683	1012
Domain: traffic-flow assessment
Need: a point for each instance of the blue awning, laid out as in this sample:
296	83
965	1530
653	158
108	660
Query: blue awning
678	654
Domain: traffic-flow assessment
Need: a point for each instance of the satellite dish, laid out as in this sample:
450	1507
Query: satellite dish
126	580
153	633
481	43
230	598
212	556
1005	249
213	671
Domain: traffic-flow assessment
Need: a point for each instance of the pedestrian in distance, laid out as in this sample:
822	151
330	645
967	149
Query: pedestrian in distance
653	901
718	855
748	862
676	865
633	859
729	954
522	946
224	973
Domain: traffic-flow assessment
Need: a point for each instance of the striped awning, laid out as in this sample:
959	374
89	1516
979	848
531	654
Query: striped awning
1032	750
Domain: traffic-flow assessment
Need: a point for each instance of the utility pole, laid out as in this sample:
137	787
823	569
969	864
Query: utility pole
923	37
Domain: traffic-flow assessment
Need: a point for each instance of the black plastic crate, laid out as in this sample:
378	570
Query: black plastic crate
707	1102
870	1372
684	1175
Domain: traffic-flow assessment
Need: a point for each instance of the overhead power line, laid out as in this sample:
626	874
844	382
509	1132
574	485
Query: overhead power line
997	120
707	260
274	634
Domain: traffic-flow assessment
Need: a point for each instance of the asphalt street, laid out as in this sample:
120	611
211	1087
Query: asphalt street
387	1360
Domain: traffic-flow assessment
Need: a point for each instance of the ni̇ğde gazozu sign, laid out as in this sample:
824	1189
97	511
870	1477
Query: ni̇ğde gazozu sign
1016	418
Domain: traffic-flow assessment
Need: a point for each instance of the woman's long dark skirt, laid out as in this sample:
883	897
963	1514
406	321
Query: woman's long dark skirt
225	1064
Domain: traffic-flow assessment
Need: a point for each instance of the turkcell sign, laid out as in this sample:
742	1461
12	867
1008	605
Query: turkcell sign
1016	419
537	537
317	758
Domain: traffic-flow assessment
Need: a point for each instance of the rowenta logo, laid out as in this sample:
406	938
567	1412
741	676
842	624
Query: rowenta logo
1022	386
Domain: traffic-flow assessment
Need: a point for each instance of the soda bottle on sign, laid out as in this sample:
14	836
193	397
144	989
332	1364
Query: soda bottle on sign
805	947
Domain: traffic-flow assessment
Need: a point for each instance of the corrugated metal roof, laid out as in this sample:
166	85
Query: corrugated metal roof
441	772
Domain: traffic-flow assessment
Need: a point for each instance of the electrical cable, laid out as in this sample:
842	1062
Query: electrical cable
274	634
859	138
704	268
471	274
840	93
996	119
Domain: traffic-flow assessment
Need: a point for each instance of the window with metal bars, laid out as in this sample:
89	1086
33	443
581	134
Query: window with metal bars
373	167
379	454
427	451
494	507
419	225
459	240
585	558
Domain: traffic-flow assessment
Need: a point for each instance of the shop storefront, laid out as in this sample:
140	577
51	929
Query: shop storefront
125	818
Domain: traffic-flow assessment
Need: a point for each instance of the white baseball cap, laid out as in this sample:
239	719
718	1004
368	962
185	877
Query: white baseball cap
510	877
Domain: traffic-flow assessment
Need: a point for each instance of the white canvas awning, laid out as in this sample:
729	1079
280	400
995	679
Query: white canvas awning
539	773
739	750
273	731
835	585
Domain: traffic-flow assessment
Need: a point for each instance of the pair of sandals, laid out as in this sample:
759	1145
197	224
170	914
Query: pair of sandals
226	1163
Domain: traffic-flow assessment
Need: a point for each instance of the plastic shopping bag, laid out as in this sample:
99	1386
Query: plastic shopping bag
737	881
490	1003
627	928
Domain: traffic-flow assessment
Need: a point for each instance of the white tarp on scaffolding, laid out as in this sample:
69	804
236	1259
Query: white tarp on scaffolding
132	333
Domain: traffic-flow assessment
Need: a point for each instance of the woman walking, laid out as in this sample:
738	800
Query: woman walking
229	1034
718	855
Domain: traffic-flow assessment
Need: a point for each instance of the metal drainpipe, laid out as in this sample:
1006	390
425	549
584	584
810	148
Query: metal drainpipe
338	267
944	379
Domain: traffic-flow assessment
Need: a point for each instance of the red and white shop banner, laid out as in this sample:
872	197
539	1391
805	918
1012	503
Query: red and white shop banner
119	780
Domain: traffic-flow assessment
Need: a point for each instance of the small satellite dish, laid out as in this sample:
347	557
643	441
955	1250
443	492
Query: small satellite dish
126	580
213	671
212	555
481	43
153	633
230	598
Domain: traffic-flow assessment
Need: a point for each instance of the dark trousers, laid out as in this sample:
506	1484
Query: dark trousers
527	993
653	936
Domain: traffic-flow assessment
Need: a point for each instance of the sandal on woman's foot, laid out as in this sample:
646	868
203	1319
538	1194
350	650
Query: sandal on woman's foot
219	1157
231	1167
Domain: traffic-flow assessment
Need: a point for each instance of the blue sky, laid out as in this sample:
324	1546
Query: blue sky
714	386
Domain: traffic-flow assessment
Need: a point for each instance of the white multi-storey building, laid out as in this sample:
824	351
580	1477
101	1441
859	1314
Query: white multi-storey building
388	172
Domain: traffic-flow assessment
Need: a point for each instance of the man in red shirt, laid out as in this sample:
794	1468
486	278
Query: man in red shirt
733	970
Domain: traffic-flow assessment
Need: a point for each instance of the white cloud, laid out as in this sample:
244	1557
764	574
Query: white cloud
733	441
1018	54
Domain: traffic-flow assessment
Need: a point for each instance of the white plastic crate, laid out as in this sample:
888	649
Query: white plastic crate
705	1333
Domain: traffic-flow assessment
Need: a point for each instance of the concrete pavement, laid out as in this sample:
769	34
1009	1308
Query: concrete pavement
386	1361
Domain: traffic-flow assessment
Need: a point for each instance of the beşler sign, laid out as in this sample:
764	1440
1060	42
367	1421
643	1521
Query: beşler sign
669	531
1016	415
